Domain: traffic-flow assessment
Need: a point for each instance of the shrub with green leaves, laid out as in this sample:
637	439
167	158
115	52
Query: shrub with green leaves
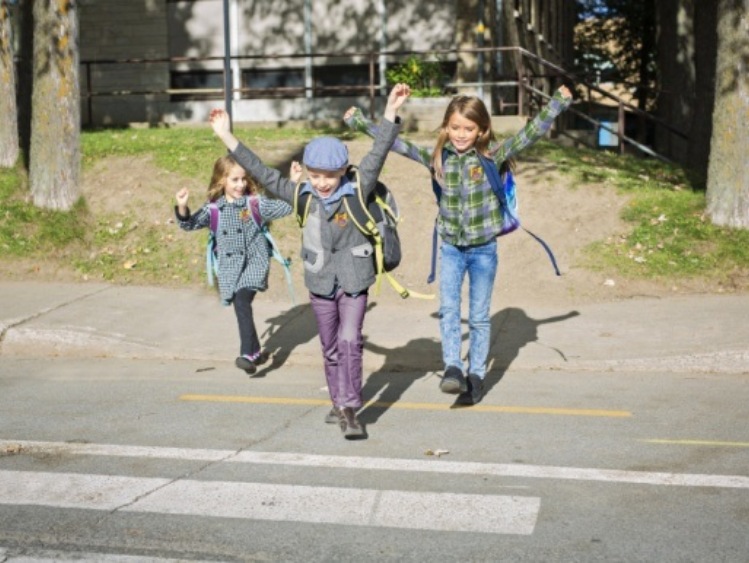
426	78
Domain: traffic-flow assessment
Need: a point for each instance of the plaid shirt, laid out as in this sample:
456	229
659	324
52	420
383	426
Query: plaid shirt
243	250
468	212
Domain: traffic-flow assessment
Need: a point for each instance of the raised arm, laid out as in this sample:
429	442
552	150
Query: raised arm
535	129
357	121
221	125
371	165
269	178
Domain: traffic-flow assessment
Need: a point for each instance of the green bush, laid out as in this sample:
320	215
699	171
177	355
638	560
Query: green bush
427	79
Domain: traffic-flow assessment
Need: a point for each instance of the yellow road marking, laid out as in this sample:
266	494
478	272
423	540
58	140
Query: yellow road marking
409	406
698	443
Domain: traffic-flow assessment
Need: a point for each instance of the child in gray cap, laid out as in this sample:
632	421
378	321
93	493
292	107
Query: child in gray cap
337	257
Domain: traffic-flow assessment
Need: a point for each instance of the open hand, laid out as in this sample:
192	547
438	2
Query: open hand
295	172
398	95
219	120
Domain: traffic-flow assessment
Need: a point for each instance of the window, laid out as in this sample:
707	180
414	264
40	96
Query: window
342	80
260	83
194	80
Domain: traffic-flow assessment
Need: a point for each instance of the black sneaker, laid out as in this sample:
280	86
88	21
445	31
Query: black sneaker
474	393
243	363
453	381
262	358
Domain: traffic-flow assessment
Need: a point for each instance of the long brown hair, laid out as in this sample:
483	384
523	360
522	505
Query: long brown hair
470	107
473	108
221	169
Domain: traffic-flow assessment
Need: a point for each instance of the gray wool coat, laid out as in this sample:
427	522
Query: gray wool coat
243	250
334	251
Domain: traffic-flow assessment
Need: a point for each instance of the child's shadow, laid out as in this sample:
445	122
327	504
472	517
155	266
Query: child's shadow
513	329
389	382
285	332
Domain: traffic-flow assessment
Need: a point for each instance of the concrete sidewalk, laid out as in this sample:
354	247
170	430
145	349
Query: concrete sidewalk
706	333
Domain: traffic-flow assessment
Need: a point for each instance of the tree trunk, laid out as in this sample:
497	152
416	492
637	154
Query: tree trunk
676	78
647	46
8	110
701	124
25	76
54	170
728	172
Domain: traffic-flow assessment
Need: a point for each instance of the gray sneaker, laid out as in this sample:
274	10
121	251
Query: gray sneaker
333	416
453	381
350	425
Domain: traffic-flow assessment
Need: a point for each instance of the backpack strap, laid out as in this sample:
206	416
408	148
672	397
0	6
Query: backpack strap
253	205
300	204
437	189
211	262
213	210
495	180
359	213
499	188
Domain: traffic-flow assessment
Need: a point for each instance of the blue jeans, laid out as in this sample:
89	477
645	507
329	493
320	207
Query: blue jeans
481	264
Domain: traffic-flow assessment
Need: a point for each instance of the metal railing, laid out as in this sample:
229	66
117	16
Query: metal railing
531	82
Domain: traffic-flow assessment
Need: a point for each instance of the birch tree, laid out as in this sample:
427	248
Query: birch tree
8	110
728	171
55	159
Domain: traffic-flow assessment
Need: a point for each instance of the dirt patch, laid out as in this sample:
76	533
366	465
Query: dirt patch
567	216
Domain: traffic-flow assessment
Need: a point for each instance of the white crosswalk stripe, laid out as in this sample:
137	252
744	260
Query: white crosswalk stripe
49	556
368	507
292	503
391	464
375	508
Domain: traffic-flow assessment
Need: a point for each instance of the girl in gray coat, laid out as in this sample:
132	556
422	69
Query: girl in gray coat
337	257
242	249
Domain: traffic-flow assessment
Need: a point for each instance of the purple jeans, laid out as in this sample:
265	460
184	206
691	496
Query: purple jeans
339	322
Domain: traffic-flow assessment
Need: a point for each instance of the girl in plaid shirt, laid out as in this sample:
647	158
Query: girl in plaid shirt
243	251
468	223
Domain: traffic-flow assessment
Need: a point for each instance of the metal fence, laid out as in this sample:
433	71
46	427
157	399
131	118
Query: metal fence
521	90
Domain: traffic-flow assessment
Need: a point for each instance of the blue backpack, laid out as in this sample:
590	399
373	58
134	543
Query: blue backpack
504	189
211	255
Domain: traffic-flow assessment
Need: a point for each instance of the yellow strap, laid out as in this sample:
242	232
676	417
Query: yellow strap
371	228
386	208
402	291
303	219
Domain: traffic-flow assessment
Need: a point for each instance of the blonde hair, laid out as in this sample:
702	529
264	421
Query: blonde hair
474	109
221	169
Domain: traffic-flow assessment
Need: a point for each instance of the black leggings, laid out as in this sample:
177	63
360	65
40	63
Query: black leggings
249	343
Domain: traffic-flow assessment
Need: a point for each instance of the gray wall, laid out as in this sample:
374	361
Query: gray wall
154	29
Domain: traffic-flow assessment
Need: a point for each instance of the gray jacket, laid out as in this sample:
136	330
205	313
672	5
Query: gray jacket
333	248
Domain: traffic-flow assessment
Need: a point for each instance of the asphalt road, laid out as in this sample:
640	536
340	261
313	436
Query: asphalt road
130	460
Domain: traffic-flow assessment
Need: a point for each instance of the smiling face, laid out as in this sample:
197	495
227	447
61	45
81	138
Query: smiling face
462	132
235	183
325	182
